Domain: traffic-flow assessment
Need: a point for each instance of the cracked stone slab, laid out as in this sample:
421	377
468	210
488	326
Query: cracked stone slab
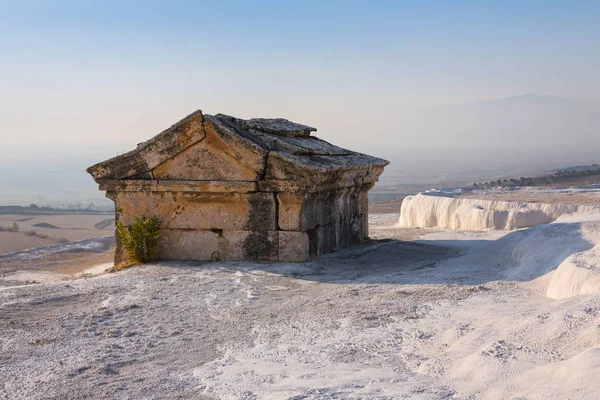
277	126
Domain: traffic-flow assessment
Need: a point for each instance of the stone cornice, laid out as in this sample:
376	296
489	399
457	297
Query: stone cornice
134	185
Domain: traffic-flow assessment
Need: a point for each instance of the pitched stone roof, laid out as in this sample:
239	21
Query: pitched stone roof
280	151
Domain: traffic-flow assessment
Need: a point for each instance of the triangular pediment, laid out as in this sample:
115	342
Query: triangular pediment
224	148
196	148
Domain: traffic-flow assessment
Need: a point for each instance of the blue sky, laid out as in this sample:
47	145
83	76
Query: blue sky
111	73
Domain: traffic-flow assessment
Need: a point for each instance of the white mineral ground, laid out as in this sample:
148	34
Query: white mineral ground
423	313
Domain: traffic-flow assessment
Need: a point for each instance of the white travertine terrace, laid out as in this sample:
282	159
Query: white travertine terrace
428	211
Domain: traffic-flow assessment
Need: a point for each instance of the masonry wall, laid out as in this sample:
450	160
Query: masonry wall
291	227
331	219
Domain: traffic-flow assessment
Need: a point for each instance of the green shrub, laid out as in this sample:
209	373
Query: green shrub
140	239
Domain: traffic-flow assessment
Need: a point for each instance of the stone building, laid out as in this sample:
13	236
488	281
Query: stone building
233	189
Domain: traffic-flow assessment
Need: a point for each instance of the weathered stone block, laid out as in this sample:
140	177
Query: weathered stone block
293	246
278	126
363	201
322	239
129	185
203	245
345	232
319	209
365	226
262	211
182	210
180	244
206	186
288	186
349	231
299	211
249	245
290	211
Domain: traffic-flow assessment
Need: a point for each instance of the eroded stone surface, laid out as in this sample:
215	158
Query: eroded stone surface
228	245
179	244
228	140
204	162
178	186
278	126
293	246
290	211
172	141
129	185
190	210
126	166
206	186
299	211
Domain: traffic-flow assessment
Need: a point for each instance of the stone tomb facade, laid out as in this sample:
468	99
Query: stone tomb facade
232	189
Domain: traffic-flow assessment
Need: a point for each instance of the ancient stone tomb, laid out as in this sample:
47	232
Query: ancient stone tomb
233	189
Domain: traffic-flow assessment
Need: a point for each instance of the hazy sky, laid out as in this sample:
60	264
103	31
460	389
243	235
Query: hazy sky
108	74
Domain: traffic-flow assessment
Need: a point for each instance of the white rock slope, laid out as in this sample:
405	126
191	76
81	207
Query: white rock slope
428	210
